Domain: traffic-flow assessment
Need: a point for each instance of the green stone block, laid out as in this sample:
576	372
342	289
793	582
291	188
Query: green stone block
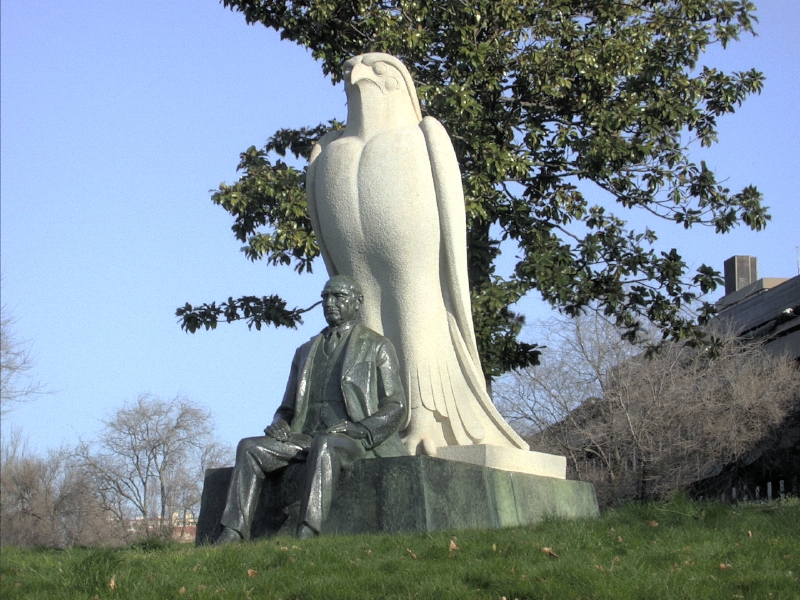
406	494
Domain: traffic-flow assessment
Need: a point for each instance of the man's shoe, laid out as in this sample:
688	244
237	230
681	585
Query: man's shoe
228	536
305	532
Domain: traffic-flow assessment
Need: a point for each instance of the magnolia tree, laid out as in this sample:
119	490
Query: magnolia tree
567	117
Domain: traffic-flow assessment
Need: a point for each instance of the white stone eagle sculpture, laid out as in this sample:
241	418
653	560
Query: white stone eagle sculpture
387	207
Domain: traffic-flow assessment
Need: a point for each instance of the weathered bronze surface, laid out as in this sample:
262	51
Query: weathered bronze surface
344	401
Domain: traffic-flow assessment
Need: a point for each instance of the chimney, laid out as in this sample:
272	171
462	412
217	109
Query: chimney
740	271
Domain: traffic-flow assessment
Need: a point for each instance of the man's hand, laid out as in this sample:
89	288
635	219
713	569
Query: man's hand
278	430
350	429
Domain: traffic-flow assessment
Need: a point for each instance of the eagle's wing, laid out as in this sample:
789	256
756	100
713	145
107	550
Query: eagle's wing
311	170
453	226
455	284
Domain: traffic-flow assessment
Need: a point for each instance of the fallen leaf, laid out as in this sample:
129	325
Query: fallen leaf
749	534
619	539
284	549
295	547
196	568
411	552
252	572
201	587
453	545
182	590
549	552
653	523
494	547
113	583
598	567
723	566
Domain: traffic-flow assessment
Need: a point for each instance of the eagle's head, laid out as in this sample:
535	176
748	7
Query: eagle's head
381	77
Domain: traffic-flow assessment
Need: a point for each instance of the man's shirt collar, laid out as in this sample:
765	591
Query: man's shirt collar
342	329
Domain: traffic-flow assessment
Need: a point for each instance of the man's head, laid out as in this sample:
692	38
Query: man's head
341	300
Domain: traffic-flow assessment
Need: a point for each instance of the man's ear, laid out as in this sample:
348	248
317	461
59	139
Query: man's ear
360	300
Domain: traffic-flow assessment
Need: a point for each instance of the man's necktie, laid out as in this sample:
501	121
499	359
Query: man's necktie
332	341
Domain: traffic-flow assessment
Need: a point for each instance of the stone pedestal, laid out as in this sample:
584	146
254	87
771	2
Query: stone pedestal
406	494
507	459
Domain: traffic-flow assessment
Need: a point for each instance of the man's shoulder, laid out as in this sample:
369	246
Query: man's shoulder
370	335
306	347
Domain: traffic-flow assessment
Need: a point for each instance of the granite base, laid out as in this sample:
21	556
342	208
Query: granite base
405	494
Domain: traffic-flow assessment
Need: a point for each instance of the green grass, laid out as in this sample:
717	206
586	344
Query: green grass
682	549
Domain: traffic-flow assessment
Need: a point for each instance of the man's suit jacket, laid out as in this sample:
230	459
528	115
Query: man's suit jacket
371	389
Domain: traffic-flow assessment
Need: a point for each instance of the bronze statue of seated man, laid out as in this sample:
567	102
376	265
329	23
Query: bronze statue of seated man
344	401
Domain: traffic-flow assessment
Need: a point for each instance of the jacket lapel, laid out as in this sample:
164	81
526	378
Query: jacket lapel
354	348
301	399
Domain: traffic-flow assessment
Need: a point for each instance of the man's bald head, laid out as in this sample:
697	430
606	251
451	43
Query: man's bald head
344	281
341	299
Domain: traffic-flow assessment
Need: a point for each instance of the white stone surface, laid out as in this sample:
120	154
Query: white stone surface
387	207
508	459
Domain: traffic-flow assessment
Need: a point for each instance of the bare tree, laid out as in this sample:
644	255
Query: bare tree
577	355
16	384
149	458
640	425
46	501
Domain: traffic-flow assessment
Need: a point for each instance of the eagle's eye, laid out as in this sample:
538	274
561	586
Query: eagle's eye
379	68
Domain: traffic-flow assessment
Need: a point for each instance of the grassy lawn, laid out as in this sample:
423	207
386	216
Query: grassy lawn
681	549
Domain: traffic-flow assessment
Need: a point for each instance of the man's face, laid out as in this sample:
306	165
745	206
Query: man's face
340	302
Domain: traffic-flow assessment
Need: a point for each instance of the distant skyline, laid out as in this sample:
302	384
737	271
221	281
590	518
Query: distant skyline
117	121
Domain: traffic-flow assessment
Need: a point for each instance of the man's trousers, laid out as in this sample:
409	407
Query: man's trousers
328	456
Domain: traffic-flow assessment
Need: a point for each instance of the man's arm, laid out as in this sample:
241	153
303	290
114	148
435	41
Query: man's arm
280	429
354	430
391	411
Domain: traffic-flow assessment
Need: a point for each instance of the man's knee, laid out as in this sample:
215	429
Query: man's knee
331	443
322	443
341	448
244	447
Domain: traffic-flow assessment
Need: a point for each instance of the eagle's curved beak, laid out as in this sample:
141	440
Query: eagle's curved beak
361	72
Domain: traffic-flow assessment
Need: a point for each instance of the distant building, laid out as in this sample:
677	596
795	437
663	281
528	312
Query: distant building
761	310
765	309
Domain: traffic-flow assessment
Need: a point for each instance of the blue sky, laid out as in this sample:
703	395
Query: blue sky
117	120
